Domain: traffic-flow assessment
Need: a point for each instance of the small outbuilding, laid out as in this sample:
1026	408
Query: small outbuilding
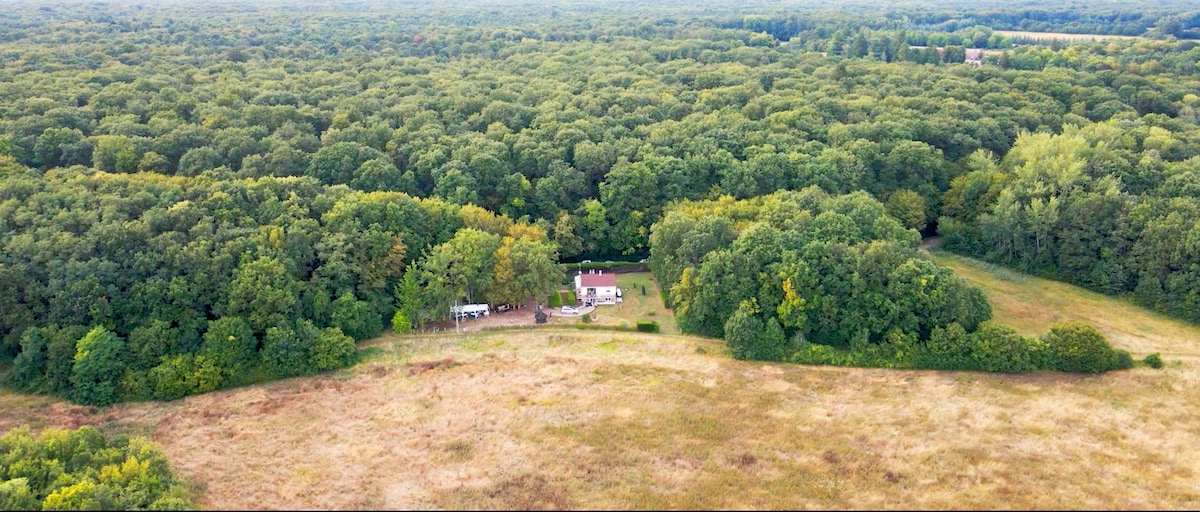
540	316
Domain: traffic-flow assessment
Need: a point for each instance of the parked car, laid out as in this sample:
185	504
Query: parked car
568	310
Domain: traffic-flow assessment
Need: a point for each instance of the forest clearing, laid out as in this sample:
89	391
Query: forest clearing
564	418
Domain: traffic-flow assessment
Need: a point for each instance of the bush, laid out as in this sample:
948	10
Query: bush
231	346
401	323
1154	360
184	375
287	352
555	300
647	326
749	337
946	349
333	350
999	348
1078	347
1124	360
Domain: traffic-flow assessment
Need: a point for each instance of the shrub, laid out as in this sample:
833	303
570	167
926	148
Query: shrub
1124	360
946	349
647	326
184	375
1078	347
287	352
587	319
1154	360
333	350
749	337
818	354
555	300
136	385
401	323
998	348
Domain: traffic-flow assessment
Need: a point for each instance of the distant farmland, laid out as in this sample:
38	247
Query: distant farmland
1046	36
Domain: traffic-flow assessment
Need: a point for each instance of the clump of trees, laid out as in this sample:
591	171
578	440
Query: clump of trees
809	277
83	469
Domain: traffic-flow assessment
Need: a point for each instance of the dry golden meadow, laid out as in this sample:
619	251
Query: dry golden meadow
562	418
1062	36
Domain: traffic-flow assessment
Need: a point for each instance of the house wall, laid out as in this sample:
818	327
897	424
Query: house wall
604	295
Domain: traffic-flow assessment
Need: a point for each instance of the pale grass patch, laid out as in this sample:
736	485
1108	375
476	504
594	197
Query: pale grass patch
1063	36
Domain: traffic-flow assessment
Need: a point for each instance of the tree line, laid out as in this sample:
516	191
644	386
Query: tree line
130	286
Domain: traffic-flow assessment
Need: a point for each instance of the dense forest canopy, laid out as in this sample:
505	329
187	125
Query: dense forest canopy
195	195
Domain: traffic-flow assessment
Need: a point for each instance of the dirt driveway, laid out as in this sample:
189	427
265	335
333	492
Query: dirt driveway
522	316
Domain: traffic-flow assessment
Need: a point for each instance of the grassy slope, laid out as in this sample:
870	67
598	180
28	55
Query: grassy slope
1031	305
566	418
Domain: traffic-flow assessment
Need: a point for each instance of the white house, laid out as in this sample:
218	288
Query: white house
596	287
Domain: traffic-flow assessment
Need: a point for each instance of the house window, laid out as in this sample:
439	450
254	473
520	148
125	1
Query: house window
591	291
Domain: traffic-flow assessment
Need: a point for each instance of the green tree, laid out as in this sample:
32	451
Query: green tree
355	317
262	293
230	345
908	207
333	350
98	365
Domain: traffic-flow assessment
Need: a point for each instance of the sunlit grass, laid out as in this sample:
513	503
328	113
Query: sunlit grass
1032	305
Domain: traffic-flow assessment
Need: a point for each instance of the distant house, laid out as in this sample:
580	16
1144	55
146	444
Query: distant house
596	287
469	311
974	57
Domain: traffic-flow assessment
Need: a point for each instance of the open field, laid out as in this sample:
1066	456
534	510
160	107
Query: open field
1031	305
557	418
1063	36
634	305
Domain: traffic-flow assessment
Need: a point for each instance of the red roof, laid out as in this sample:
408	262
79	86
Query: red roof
597	280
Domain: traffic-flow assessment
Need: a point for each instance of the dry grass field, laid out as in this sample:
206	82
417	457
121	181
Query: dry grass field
561	418
1031	305
1062	36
